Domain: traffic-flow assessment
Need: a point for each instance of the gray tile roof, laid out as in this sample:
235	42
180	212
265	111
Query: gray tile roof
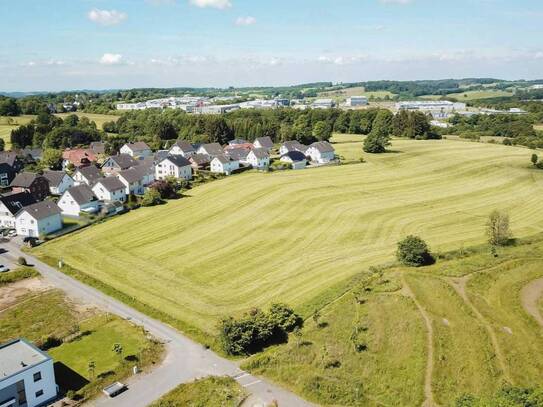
223	159
55	177
200	159
91	173
82	194
294	146
261	153
237	153
133	175
265	142
42	210
98	147
138	146
111	183
178	160
24	179
323	147
8	157
123	161
185	146
213	149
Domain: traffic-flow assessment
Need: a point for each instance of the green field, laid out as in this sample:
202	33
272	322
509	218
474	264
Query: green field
470	95
481	339
99	119
211	391
297	236
356	91
7	124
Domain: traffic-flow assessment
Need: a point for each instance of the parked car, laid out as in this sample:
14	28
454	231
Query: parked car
12	233
114	389
3	269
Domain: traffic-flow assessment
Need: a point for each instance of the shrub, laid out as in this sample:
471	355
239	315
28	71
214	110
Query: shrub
22	261
151	198
413	251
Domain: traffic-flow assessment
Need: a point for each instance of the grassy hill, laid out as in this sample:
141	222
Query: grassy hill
296	237
471	95
432	334
99	119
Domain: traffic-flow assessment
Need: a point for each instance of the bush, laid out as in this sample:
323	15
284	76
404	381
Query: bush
151	198
257	330
413	251
22	261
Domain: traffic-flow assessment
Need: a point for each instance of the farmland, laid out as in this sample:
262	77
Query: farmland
356	91
296	237
471	95
99	119
7	124
481	335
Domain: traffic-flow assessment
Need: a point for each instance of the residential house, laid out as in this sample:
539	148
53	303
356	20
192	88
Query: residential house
38	219
199	161
87	175
98	147
117	163
264	142
59	181
237	142
259	158
321	152
238	154
27	376
133	180
137	149
10	158
34	153
223	164
212	149
110	189
35	184
297	159
147	166
182	147
7	174
175	166
78	157
247	146
12	203
292	146
78	199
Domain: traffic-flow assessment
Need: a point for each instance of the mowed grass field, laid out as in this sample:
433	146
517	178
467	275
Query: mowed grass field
249	240
357	91
99	119
7	124
471	95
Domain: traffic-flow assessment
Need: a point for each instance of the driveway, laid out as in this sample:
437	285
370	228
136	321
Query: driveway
185	360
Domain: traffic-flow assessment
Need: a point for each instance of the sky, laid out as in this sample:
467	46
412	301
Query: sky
110	44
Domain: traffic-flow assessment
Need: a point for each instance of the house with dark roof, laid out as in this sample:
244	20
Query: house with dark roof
238	154
175	166
39	219
321	152
182	147
223	164
78	199
35	184
137	149
87	175
59	181
110	189
264	142
293	145
98	147
199	161
297	159
11	158
117	163
7	174
133	180
12	203
259	158
212	149
33	153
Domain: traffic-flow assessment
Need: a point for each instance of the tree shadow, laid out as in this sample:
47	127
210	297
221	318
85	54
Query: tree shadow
68	379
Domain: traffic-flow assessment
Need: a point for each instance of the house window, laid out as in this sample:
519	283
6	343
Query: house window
37	377
39	393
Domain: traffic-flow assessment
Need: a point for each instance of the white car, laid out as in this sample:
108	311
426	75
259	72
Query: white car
12	233
3	269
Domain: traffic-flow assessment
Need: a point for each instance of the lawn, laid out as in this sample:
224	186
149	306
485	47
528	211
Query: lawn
356	91
297	236
7	124
20	273
99	119
479	342
211	391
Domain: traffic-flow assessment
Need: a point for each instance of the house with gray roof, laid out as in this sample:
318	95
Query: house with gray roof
223	164
293	145
259	158
175	166
39	219
137	149
199	161
110	189
12	203
87	175
321	152
182	147
117	163
264	142
212	149
133	179
78	199
297	159
30	182
59	181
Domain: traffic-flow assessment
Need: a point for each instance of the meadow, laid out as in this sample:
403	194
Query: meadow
7	124
357	91
99	119
471	95
298	236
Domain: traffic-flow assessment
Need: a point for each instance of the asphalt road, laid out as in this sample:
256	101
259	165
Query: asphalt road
185	360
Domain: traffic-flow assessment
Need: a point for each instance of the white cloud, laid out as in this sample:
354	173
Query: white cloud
220	4
245	21
111	59
106	17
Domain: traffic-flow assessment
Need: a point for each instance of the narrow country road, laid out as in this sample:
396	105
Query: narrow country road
530	296
184	361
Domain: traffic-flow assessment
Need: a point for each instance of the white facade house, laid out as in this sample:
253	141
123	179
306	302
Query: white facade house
223	165
321	152
38	219
182	147
264	142
87	175
296	159
175	166
77	200
27	376
212	149
292	146
133	180
356	101
110	189
59	181
259	158
12	203
137	149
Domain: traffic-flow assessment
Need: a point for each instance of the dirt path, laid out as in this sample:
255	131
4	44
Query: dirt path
459	284
529	296
11	293
428	393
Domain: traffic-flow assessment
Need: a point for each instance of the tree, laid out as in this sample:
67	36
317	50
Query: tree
52	159
151	198
91	368
534	159
378	139
321	131
413	251
2	144
497	228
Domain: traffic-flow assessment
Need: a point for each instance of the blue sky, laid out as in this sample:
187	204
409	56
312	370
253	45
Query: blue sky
97	44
